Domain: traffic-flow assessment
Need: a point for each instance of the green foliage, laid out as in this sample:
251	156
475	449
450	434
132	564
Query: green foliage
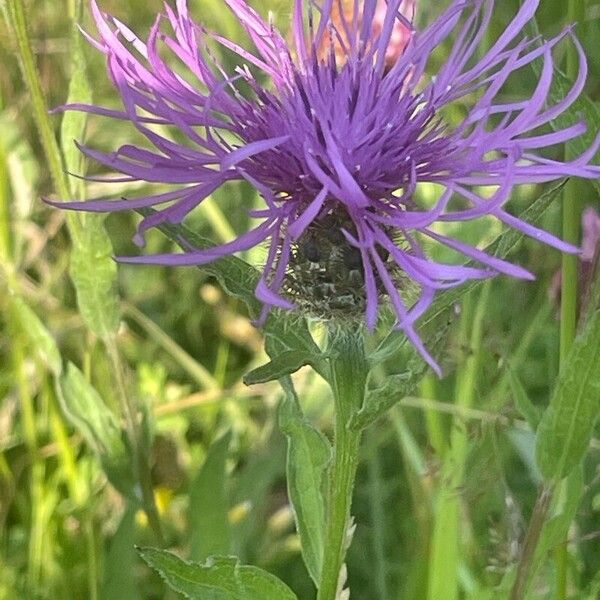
285	363
209	504
119	571
219	578
566	428
556	528
284	332
93	270
86	410
94	274
70	511
37	334
531	413
308	457
73	123
237	277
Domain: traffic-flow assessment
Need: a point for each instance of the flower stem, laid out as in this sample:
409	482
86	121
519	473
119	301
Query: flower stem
349	373
571	227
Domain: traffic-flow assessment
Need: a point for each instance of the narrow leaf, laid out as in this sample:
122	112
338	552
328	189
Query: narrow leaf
87	412
74	122
119	567
94	275
567	425
308	456
531	413
380	400
556	528
85	408
286	363
209	504
219	578
285	332
236	277
92	269
39	337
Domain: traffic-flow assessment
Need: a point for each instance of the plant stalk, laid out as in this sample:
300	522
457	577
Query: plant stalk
534	532
571	229
16	14
444	559
137	441
349	373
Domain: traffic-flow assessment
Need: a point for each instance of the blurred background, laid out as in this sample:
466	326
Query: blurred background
68	522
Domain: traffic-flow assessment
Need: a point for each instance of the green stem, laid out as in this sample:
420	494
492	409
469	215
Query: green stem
202	375
37	473
534	532
444	560
376	498
137	440
571	229
92	563
349	373
5	217
433	420
16	13
78	492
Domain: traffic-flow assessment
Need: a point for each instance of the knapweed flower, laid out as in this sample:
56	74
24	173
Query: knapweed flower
337	143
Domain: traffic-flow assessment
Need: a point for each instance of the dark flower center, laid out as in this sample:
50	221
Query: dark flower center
326	273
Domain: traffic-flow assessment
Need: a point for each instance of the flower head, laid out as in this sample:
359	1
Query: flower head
337	142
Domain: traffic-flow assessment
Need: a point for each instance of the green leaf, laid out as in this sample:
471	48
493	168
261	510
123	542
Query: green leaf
556	528
285	363
566	498
94	275
592	591
209	504
567	425
219	578
236	277
531	413
74	122
308	456
283	331
441	310
93	270
85	409
38	335
18	166
119	568
288	332
379	400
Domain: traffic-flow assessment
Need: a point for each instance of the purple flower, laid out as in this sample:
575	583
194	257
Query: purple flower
335	147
